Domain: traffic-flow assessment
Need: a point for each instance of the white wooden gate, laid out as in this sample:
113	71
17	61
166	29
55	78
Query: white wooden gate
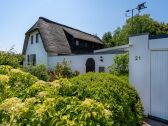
159	84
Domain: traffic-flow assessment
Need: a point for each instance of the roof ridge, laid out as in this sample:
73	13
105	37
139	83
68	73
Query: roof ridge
50	21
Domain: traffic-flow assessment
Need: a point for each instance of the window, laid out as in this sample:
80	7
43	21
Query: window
31	59
32	39
37	38
28	60
77	43
93	46
101	69
86	44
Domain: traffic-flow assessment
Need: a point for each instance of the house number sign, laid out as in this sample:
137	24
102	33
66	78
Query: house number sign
137	58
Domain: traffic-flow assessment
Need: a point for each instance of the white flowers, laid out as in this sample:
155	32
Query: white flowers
88	102
13	106
4	79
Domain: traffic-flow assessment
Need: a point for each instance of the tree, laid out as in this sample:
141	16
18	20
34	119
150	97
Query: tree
107	37
120	65
141	24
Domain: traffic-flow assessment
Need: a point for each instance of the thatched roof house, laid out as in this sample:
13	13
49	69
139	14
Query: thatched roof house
60	39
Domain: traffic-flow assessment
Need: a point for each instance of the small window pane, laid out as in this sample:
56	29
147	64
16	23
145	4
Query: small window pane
28	60
32	39
101	69
32	59
77	43
37	38
86	44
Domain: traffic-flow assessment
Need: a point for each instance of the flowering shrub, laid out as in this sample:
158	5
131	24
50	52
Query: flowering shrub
115	94
91	99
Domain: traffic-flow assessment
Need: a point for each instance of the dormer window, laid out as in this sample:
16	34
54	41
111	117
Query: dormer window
32	39
77	43
37	38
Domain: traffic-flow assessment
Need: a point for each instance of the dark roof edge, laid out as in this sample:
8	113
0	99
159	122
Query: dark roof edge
133	35
158	36
47	20
161	36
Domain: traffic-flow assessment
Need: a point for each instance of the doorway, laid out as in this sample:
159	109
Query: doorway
90	65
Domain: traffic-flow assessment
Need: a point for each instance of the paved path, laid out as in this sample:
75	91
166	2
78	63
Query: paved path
154	123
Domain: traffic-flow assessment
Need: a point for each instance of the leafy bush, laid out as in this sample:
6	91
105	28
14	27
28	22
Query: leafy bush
120	65
11	59
91	99
40	71
14	82
63	70
115	94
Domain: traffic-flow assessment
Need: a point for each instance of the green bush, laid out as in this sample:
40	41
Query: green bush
40	71
115	94
63	70
120	65
91	99
16	82
11	59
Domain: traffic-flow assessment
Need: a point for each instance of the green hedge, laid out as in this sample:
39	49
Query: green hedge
115	94
90	99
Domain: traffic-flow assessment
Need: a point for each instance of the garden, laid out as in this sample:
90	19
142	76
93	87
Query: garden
35	96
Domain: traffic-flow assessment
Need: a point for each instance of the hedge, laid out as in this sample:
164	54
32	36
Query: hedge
90	99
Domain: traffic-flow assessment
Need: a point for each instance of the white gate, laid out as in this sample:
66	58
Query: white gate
159	84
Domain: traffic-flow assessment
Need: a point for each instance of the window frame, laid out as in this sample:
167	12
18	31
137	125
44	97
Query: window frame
77	43
31	59
28	60
37	38
32	39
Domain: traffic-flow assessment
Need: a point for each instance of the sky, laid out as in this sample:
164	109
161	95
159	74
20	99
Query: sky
92	16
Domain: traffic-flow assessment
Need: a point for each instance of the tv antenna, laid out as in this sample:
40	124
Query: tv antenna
139	8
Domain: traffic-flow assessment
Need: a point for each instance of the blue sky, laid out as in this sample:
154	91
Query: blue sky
92	16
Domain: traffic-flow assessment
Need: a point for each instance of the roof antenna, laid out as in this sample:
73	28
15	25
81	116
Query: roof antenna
139	8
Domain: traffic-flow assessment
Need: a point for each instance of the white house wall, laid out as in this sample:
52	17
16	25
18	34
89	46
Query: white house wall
38	49
139	68
78	61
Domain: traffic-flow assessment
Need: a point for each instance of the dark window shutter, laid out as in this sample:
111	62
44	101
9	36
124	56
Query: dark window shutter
28	59
34	59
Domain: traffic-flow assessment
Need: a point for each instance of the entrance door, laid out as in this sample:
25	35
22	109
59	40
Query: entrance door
159	84
90	65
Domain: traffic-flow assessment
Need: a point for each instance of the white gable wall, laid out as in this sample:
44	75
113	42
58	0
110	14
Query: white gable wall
78	61
38	49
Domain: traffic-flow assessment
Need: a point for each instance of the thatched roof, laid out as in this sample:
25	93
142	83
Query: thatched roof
54	38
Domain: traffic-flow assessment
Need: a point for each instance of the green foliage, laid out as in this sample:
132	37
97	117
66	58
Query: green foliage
14	82
120	65
40	71
107	39
63	70
115	94
11	59
90	99
141	24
